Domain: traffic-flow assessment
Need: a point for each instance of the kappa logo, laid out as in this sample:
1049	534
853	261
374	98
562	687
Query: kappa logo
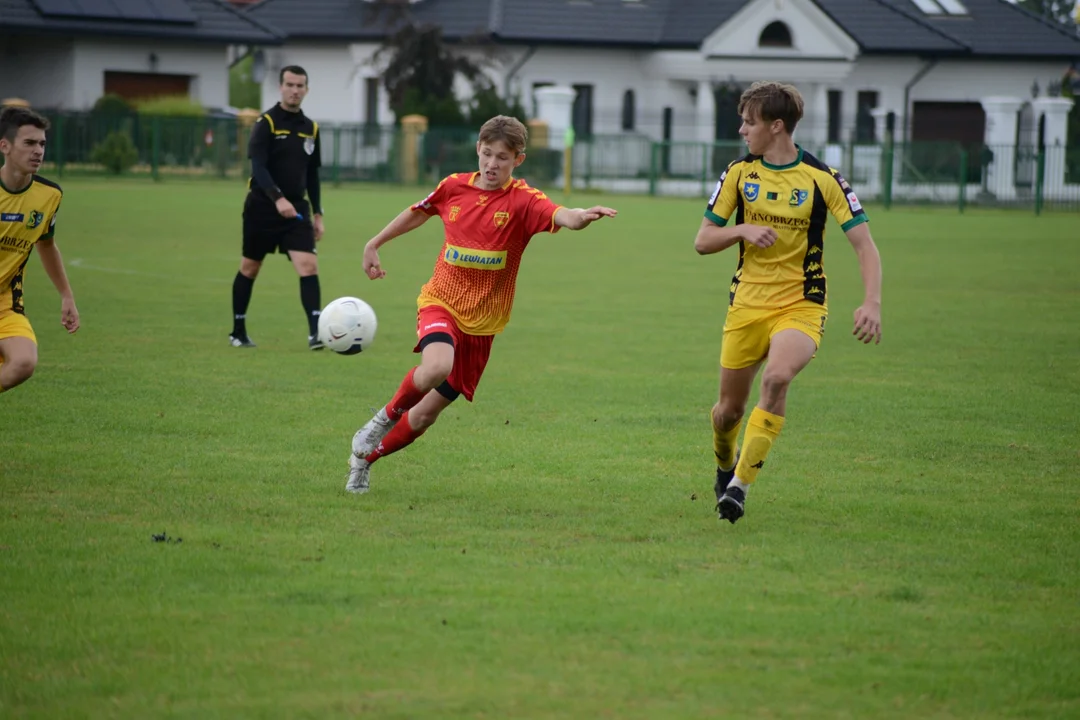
753	176
501	218
36	218
482	200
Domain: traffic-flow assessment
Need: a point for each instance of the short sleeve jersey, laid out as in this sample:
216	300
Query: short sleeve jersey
487	232
795	200
26	216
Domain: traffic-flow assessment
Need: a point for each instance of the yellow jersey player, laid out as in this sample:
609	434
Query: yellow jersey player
28	206
774	203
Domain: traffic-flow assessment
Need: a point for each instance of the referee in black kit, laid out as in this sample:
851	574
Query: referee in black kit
284	151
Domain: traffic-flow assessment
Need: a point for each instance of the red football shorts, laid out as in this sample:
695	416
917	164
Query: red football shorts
471	352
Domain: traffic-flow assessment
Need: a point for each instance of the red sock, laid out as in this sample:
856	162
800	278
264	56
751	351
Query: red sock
401	436
406	397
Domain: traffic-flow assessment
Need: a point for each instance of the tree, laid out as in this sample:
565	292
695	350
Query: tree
1059	11
421	68
244	92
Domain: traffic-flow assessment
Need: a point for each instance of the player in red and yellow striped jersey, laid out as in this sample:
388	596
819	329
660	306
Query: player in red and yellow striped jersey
489	218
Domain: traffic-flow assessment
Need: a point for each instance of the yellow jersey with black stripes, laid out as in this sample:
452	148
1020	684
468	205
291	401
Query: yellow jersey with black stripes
795	200
26	216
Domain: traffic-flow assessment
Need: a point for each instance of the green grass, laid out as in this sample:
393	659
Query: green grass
551	551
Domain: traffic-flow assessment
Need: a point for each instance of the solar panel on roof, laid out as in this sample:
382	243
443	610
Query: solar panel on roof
169	11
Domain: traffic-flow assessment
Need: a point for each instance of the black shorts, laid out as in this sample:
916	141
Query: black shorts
266	232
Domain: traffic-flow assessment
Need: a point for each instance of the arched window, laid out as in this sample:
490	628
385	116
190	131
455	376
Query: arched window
775	35
628	110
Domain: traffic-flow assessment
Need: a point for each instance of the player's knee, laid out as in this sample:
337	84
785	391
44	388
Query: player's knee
21	369
726	415
250	268
421	419
775	383
433	371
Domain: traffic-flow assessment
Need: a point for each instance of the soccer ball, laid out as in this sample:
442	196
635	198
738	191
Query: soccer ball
347	325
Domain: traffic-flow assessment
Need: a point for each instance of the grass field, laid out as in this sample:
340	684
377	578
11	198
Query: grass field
912	549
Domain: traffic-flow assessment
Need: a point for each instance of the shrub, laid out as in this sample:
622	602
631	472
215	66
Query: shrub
112	105
116	152
171	106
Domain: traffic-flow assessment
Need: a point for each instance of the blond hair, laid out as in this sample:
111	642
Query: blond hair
773	101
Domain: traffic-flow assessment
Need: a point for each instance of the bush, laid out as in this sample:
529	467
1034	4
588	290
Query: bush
112	105
116	153
171	106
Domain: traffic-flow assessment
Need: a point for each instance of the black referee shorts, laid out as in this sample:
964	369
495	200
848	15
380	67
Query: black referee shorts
266	232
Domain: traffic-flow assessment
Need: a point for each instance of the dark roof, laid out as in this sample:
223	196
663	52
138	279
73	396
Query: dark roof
993	28
215	21
1003	29
355	19
880	27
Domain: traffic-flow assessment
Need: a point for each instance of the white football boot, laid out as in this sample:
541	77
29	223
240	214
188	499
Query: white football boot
368	437
359	473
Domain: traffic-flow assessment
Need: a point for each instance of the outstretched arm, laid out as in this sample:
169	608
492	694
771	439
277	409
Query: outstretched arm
54	268
406	221
868	315
579	219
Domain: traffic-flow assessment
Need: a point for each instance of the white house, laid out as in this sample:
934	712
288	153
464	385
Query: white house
672	68
63	55
964	71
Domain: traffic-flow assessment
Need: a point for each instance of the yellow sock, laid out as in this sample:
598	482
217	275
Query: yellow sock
723	444
761	432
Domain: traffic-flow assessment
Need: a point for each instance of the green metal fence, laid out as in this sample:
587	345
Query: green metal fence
1036	178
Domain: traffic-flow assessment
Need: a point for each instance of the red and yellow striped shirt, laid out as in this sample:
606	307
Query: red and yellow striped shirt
487	232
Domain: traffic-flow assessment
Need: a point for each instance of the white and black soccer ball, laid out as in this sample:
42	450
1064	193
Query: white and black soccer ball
347	325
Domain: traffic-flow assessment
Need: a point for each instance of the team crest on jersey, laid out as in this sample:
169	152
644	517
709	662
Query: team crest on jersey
36	218
751	190
454	211
501	218
798	197
309	145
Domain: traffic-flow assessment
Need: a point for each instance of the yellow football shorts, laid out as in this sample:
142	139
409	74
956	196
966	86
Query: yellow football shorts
748	332
15	325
